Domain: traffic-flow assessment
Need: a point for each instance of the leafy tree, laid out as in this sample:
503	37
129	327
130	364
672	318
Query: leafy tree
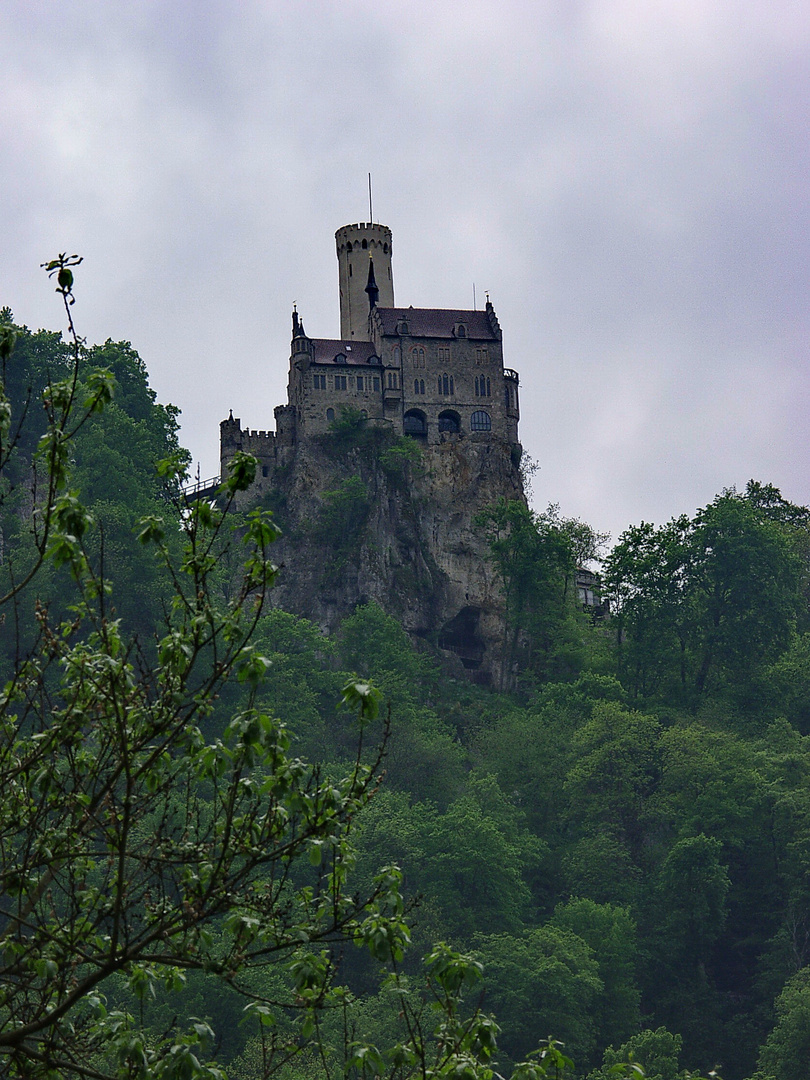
544	979
706	605
616	768
610	931
536	556
131	845
787	1050
656	1051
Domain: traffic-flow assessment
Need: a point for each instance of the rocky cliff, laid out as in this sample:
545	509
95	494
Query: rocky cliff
369	517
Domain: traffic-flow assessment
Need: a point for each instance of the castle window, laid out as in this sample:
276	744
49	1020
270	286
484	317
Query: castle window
376	382
340	382
418	356
385	248
419	386
460	330
481	356
319	382
449	421
446	386
414	423
359	382
350	269
364	244
480	421
349	246
265	471
330	415
393	383
444	354
506	393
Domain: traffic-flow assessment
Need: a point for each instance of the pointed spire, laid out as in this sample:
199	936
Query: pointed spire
295	320
371	287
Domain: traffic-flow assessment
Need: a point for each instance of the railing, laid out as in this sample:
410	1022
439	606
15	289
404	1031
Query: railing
202	489
508	373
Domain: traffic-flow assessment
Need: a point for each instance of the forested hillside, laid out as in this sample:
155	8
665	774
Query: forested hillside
623	842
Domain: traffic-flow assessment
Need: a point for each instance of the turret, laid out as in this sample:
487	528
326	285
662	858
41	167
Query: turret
355	245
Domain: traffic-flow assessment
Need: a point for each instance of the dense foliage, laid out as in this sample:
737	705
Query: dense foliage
617	852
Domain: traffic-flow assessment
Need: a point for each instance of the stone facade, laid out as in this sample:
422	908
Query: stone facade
436	376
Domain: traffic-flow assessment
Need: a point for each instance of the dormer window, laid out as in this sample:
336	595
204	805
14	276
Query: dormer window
460	330
402	327
340	358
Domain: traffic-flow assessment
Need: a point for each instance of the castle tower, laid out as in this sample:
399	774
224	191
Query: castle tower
355	245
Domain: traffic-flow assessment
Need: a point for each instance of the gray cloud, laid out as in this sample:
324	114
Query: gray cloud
628	180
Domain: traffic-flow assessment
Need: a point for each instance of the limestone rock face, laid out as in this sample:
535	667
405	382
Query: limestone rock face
377	520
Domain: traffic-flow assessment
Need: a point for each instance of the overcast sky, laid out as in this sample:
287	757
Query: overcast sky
627	178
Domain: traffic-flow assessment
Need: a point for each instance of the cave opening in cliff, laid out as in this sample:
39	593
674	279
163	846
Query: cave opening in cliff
460	636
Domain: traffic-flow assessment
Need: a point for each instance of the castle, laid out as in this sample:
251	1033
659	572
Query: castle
409	538
429	373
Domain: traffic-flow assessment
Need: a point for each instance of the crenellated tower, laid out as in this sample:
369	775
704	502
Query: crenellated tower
356	245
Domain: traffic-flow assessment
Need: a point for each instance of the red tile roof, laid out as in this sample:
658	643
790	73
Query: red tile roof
356	352
438	322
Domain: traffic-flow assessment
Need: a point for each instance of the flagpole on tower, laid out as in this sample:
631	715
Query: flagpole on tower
370	213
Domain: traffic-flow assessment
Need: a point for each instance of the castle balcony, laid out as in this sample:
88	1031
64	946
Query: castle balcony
510	373
202	490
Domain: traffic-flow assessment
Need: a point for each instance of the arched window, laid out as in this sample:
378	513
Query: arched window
416	386
418	356
449	421
480	421
414	423
364	244
421	386
330	415
349	247
446	386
